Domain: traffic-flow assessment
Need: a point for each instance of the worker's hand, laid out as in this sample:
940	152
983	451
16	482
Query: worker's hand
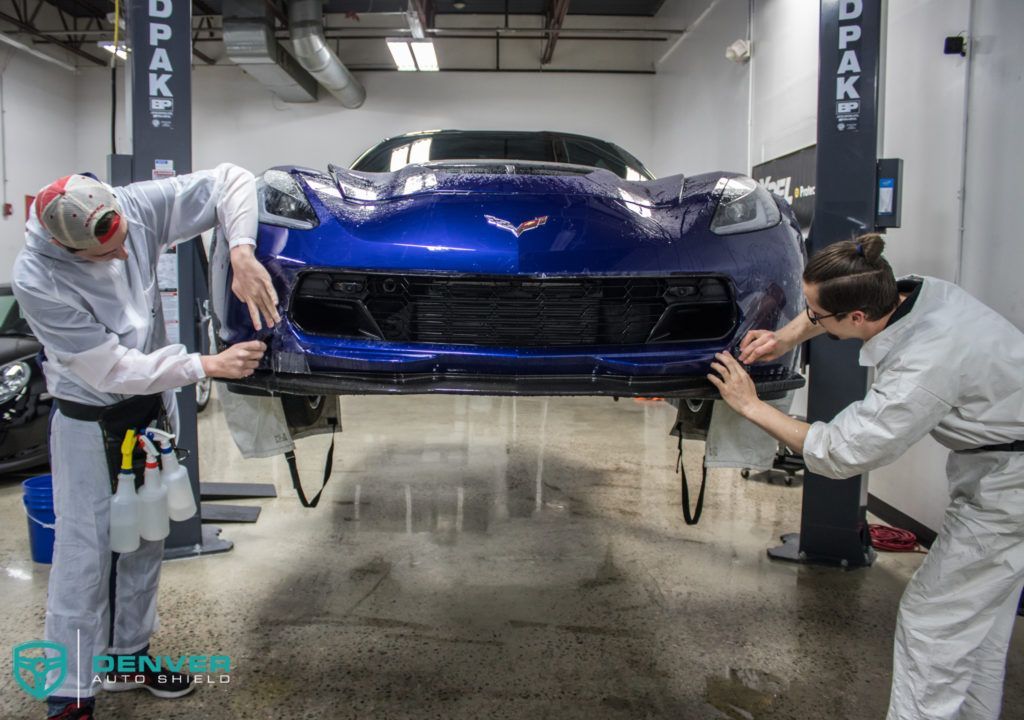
761	346
251	284
238	361
734	383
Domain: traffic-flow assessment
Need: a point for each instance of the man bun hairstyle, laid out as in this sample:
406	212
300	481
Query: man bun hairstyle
852	275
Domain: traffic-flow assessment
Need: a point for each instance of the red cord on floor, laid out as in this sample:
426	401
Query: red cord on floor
893	539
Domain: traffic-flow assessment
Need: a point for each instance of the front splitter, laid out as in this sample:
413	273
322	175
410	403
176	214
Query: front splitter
769	387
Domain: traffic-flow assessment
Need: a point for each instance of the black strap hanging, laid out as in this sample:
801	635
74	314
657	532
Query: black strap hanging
691	519
328	467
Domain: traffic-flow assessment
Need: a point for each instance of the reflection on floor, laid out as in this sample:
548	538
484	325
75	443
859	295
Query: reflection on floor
499	557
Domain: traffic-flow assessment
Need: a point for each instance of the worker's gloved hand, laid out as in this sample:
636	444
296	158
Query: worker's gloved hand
251	284
761	346
734	383
238	361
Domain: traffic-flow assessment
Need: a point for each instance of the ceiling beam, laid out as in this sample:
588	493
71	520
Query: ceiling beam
202	7
555	16
91	9
279	13
425	11
208	23
32	17
25	27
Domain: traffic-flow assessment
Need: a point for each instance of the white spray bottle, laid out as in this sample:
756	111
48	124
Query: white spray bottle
153	520
181	503
124	506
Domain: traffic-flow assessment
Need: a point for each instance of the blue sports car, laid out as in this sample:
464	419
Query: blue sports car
528	263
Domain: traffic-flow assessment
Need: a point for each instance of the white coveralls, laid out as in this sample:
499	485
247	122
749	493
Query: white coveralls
955	368
102	328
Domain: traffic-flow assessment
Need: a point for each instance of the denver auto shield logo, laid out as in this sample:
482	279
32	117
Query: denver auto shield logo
517	230
30	670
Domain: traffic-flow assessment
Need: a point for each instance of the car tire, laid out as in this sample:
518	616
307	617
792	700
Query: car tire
301	411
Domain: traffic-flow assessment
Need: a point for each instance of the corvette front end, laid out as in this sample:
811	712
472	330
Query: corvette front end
514	277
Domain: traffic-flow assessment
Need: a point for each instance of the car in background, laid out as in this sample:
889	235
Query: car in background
24	403
525	263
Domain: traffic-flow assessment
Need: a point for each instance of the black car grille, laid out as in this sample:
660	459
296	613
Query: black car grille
519	312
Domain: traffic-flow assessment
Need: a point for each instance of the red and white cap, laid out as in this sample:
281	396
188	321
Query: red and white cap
71	207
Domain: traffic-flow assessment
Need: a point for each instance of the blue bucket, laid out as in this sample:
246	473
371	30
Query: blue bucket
38	500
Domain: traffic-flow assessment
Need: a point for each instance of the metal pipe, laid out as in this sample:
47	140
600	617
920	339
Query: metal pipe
686	33
306	26
250	43
962	212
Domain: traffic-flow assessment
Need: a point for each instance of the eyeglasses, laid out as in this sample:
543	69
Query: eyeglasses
815	319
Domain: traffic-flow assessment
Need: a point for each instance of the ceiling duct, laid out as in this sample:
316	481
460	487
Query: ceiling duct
306	25
249	40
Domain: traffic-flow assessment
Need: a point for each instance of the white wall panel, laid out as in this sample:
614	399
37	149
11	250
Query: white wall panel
701	98
923	124
784	78
39	138
235	119
993	249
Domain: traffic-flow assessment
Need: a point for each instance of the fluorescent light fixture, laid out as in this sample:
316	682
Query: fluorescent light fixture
426	58
121	50
402	54
403	51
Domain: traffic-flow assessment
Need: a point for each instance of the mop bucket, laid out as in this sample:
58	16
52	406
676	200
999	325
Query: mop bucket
38	498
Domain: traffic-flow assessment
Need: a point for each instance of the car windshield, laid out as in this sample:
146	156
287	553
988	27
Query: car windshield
395	153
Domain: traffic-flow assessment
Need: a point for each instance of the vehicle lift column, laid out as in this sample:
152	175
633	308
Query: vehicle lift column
833	522
160	68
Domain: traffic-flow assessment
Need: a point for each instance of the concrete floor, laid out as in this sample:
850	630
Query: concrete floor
491	558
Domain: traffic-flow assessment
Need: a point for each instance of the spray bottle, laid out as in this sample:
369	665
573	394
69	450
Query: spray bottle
153	520
181	503
124	506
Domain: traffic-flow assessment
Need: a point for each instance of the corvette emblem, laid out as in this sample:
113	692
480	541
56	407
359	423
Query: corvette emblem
517	230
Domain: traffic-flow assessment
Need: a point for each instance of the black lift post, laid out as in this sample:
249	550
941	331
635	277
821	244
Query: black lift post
833	522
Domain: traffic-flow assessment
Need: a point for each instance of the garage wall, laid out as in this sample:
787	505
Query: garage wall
784	78
993	250
710	113
39	138
269	132
701	98
923	124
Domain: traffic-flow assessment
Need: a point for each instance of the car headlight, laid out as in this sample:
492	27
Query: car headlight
14	378
282	201
744	206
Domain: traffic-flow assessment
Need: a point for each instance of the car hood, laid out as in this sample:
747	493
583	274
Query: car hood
497	177
512	221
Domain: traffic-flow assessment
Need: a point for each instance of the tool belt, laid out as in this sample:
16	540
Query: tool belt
1015	446
114	420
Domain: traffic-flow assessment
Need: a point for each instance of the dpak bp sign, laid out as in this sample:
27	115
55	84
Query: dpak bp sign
162	47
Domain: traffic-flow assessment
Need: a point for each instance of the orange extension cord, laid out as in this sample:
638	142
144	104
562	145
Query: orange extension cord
892	539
